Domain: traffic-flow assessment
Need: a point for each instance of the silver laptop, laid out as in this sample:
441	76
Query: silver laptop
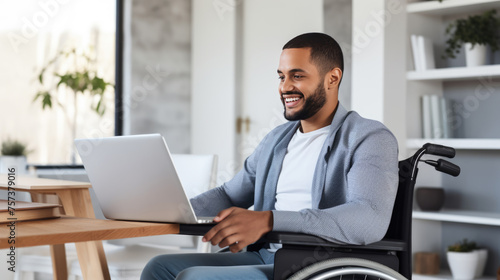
134	178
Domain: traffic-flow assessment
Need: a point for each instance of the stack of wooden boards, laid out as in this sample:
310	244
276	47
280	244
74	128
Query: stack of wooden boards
23	211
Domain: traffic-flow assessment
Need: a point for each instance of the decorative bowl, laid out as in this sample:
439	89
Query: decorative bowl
430	198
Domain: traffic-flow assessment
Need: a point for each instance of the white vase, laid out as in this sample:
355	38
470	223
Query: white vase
19	162
463	264
475	56
482	257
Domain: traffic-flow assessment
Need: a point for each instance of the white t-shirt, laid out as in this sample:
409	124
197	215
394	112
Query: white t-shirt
293	192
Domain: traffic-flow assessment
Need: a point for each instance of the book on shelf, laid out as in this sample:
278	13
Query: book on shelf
436	123
423	52
426	117
435	117
414	51
24	211
445	121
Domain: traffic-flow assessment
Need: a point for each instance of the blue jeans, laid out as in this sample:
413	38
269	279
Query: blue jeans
223	266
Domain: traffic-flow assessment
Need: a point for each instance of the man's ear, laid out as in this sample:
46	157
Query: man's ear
334	76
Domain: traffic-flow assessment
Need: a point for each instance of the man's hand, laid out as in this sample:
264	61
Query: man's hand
239	227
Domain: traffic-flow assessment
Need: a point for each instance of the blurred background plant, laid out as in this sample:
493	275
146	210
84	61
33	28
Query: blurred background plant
463	246
13	154
74	70
12	147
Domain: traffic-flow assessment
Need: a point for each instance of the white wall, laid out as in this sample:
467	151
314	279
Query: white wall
378	62
157	68
337	16
213	80
235	53
267	26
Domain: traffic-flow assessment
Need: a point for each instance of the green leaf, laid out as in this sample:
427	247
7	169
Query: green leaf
98	85
98	107
40	77
46	99
38	94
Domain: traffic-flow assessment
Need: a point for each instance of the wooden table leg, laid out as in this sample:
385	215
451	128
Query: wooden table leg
77	202
57	252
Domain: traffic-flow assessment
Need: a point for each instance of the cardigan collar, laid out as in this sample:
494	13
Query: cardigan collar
279	155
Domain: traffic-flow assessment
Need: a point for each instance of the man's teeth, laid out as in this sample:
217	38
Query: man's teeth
291	99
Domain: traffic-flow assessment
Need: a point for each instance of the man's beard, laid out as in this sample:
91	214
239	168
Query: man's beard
312	104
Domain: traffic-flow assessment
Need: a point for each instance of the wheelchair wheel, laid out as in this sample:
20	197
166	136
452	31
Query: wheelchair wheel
347	268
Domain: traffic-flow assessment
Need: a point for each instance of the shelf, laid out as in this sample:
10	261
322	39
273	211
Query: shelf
460	216
459	144
445	275
455	73
448	7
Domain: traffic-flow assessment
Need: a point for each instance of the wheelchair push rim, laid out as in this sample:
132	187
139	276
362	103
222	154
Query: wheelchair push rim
346	266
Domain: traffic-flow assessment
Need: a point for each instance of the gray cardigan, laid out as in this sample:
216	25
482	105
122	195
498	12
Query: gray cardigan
354	185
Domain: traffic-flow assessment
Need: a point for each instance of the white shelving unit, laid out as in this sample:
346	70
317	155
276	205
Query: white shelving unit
428	18
460	216
455	73
444	275
450	7
459	144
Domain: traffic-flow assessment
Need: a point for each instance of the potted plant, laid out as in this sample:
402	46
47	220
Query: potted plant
13	153
466	260
475	33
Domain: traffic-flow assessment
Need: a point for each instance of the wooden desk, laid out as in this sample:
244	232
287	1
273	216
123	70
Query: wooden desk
73	229
76	202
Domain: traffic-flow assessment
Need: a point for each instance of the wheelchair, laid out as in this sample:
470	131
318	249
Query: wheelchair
305	256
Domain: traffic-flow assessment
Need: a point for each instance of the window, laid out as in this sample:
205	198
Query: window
31	35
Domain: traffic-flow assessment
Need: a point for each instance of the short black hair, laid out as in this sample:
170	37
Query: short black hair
326	53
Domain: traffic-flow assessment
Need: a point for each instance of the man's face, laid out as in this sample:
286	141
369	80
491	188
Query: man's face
301	87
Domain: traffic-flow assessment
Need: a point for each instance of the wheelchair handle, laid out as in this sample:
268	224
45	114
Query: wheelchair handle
439	150
445	166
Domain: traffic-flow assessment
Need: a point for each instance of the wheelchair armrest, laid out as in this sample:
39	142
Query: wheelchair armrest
195	229
291	238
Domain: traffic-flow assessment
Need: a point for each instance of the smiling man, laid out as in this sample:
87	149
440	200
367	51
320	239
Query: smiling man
327	172
315	109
